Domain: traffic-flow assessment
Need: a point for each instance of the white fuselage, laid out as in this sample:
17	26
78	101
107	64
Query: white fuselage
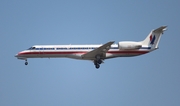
76	51
95	53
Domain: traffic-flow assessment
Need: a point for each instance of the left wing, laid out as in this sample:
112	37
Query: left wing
100	51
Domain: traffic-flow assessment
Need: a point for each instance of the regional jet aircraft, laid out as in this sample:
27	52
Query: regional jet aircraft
95	53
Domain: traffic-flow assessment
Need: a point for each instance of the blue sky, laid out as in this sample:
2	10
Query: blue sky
148	80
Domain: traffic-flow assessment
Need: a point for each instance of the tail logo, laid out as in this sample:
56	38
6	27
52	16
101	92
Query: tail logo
152	39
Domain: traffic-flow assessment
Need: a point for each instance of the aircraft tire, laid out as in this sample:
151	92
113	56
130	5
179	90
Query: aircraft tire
99	61
26	63
97	66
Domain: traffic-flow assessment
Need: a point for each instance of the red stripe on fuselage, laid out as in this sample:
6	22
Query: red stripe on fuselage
75	52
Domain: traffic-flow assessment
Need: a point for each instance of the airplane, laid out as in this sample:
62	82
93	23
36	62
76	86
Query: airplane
96	53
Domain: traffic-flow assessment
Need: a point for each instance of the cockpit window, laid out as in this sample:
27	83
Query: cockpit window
31	48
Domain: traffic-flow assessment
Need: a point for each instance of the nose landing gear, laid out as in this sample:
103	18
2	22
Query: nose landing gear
26	63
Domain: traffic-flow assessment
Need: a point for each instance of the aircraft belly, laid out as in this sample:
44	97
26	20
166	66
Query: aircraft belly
53	55
114	54
74	56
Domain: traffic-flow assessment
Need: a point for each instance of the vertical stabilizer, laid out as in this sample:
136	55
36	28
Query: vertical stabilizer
152	40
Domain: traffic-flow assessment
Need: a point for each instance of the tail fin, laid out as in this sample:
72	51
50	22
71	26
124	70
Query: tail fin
152	40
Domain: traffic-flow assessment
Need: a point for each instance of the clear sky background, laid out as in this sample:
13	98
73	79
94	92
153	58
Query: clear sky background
148	80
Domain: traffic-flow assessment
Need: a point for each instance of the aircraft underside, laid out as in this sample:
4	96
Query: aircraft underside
97	59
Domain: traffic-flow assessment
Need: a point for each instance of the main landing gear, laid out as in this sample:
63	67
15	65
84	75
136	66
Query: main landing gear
97	63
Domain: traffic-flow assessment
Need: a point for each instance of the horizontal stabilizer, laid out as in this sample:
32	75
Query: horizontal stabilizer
160	29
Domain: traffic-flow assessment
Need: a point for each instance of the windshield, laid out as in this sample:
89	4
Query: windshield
31	48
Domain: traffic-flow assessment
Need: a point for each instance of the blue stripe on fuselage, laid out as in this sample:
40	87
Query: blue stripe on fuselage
80	48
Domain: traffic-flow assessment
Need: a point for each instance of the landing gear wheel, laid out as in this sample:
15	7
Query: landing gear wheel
99	61
26	63
97	66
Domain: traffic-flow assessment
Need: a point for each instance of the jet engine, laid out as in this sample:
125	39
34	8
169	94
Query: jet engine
128	45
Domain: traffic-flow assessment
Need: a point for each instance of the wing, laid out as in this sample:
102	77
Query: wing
100	51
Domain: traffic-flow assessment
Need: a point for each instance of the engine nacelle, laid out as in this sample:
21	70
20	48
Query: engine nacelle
128	45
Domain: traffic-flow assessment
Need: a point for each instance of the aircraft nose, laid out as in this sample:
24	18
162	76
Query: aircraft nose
16	55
